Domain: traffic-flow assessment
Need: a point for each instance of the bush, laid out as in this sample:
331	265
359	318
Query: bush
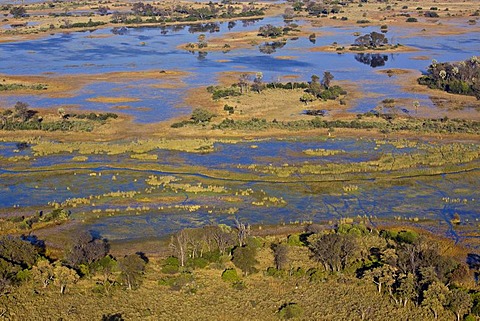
230	275
431	14
176	283
244	259
198	262
271	271
171	265
406	237
411	19
290	311
228	109
200	115
294	240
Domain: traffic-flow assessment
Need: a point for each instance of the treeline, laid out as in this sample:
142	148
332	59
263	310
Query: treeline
444	125
411	271
24	223
89	24
408	268
457	78
184	13
21	117
14	86
315	89
25	261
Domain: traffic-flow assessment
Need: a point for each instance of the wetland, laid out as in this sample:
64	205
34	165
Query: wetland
136	121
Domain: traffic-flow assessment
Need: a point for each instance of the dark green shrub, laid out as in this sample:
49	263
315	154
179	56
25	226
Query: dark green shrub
406	237
230	275
294	240
197	263
290	311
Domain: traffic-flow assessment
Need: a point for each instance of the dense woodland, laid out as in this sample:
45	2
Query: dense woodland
407	274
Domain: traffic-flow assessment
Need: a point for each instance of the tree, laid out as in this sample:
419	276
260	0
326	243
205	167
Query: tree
179	244
61	112
288	14
257	83
243	231
334	251
200	115
132	268
103	10
271	31
371	40
382	275
244	259
280	254
105	268
315	88
43	273
243	81
407	289
327	78
202	41
18	12
21	111
86	250
17	251
460	302
307	98
222	235
436	297
64	276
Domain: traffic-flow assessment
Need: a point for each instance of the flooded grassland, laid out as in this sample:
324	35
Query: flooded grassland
261	156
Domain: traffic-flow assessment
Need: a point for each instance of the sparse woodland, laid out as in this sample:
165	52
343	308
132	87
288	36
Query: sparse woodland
316	272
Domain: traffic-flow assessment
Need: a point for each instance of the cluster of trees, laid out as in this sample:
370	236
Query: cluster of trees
27	222
67	24
316	8
182	12
443	125
410	269
406	267
322	89
271	47
456	78
372	40
18	12
21	117
24	261
315	89
200	116
272	31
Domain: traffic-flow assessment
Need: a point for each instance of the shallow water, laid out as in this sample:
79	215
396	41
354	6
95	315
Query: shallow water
34	183
31	183
155	48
